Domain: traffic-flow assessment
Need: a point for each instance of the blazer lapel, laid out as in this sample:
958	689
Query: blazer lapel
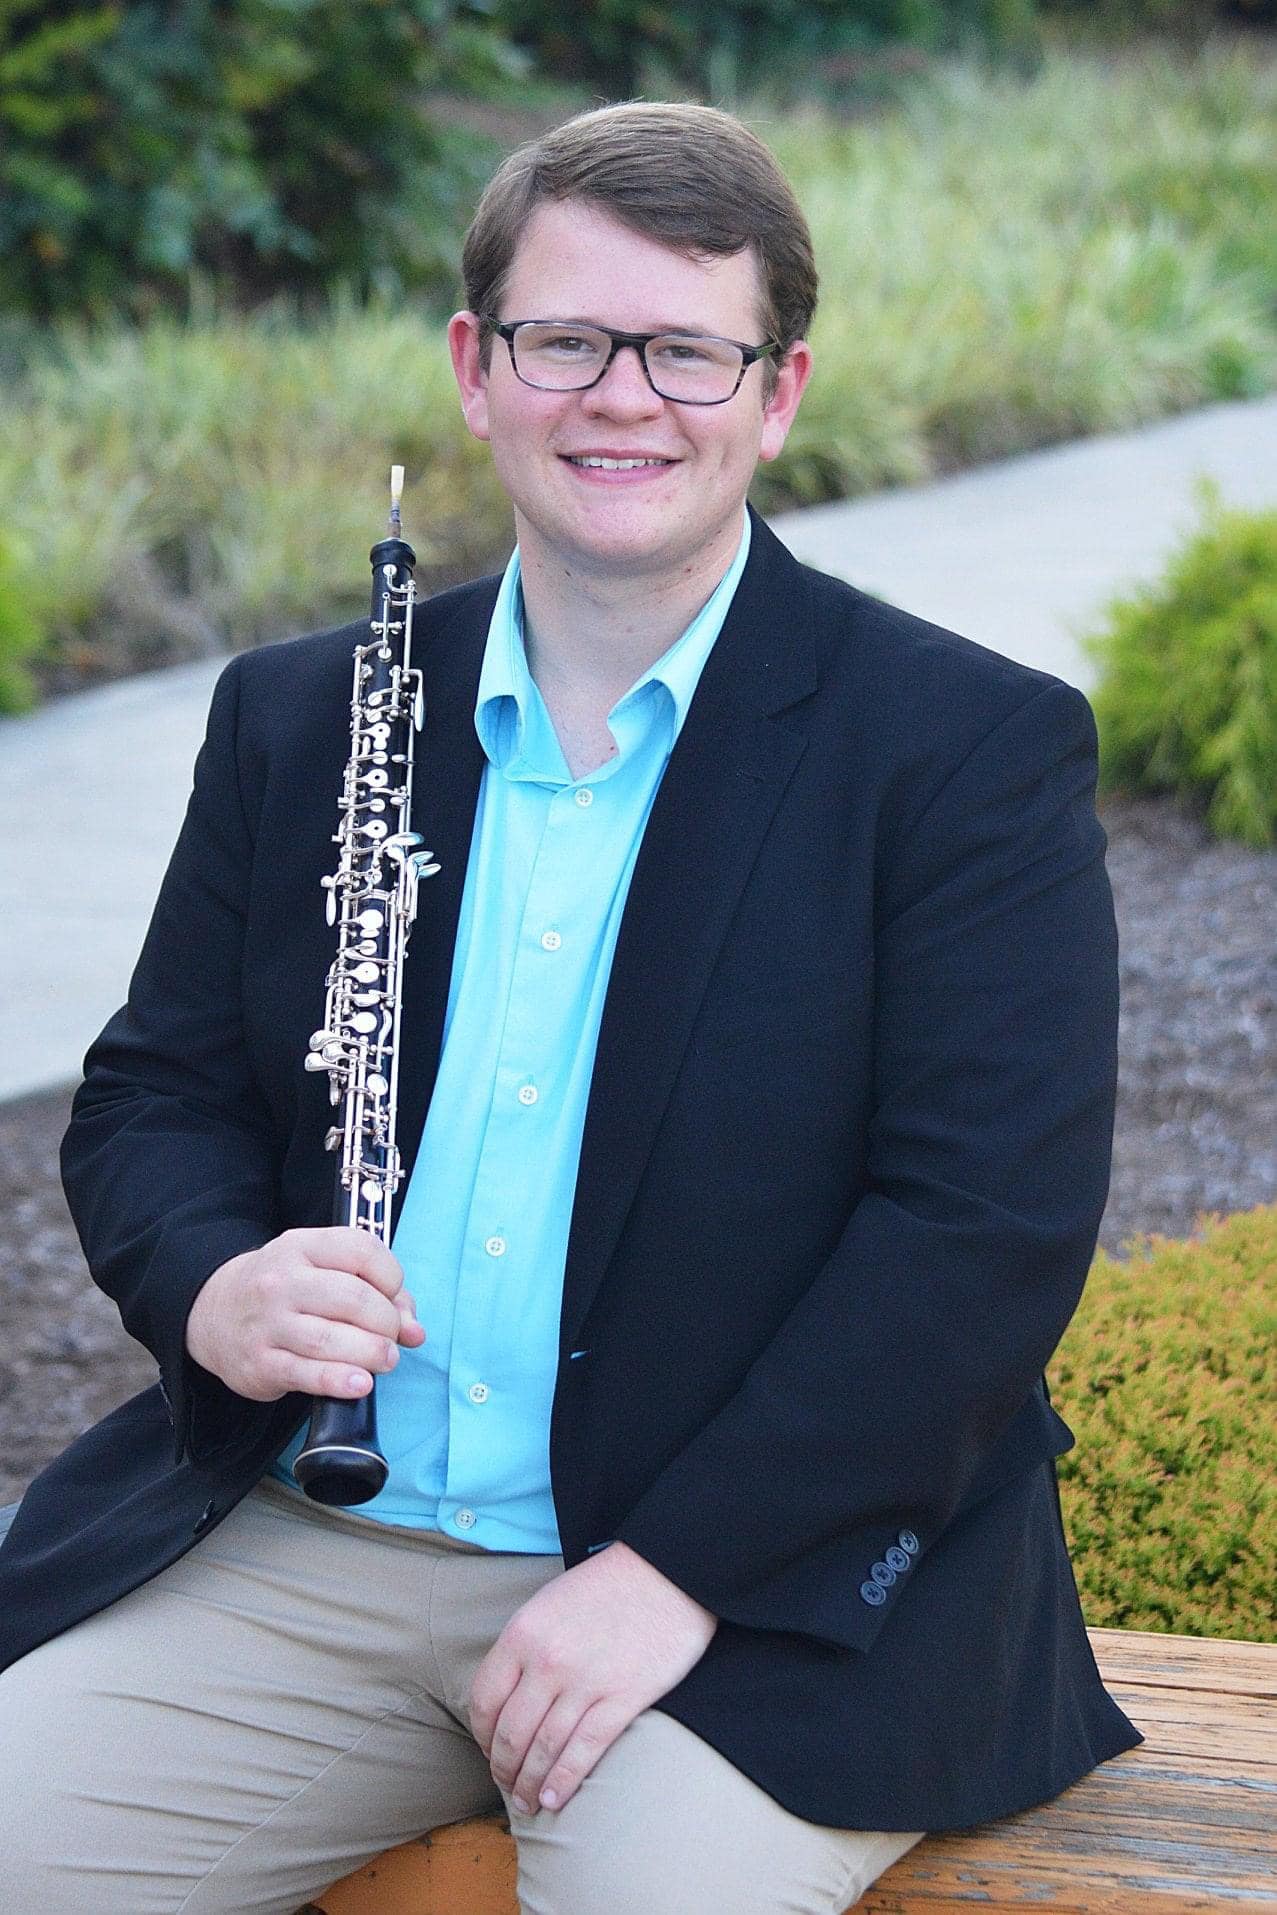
448	765
729	768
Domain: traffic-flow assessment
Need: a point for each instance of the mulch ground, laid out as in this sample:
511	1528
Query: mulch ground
1196	1121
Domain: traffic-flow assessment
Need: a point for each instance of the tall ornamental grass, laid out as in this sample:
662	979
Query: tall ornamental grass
182	487
1166	1376
1004	263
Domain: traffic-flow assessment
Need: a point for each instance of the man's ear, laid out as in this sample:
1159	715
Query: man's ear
472	380
778	414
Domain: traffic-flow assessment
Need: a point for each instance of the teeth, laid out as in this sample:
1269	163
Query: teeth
615	465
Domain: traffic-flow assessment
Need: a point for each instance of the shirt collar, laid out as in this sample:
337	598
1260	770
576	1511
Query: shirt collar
510	715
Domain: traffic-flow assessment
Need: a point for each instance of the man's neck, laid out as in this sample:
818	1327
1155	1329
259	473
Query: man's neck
590	635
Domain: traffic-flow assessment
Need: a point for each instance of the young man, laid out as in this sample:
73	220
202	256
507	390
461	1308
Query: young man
756	1099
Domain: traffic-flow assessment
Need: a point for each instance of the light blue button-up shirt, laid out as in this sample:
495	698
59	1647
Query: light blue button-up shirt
464	1421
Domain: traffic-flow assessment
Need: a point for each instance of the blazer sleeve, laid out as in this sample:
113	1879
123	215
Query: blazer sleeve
169	1164
871	1418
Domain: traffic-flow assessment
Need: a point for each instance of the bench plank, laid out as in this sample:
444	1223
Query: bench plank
1205	1663
1185	1823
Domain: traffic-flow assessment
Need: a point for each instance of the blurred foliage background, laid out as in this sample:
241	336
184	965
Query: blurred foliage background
285	144
230	229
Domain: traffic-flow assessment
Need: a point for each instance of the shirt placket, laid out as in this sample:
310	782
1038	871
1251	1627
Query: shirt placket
496	1265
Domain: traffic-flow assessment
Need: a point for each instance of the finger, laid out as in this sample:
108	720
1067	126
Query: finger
589	1741
326	1341
410	1331
492	1684
516	1728
342	1247
282	1370
341	1297
322	1290
545	1751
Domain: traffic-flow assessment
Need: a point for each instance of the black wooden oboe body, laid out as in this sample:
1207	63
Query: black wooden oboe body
372	900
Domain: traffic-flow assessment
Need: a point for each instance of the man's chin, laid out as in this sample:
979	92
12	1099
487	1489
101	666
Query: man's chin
626	551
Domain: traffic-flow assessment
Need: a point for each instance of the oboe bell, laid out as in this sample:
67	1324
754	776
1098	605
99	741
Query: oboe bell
371	898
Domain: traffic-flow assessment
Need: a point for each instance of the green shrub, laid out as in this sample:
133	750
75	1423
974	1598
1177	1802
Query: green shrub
1166	1376
263	143
1188	698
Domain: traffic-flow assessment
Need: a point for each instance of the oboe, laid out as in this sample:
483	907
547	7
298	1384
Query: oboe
372	899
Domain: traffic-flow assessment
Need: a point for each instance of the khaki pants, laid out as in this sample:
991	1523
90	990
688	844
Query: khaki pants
291	1698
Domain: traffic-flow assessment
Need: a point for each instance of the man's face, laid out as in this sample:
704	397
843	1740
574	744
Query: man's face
576	263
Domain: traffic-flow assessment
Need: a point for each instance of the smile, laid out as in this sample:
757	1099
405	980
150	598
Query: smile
612	465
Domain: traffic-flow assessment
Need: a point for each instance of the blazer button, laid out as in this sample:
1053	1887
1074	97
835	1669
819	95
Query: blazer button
873	1594
205	1517
908	1542
896	1559
883	1576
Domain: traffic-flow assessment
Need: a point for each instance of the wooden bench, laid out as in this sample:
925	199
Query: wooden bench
1186	1822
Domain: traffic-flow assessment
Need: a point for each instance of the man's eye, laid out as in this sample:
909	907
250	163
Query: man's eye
681	352
568	345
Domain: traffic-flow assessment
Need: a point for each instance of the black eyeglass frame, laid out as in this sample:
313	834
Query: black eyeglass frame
640	342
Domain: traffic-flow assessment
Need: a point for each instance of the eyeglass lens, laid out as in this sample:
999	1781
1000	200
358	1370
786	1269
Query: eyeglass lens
681	366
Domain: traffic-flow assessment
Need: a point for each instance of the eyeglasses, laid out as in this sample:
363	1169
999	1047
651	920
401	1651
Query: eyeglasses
694	369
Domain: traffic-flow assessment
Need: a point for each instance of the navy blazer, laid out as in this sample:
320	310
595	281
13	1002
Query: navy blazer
845	1157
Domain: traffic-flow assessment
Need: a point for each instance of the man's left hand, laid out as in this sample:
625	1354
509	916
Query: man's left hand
575	1665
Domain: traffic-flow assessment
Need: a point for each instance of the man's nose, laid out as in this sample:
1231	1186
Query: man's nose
625	386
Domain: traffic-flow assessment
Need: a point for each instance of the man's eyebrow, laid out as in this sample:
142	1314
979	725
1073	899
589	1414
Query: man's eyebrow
679	326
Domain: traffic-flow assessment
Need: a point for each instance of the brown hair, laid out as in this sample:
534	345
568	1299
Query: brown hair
691	178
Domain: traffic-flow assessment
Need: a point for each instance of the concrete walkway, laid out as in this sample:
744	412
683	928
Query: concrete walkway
1020	556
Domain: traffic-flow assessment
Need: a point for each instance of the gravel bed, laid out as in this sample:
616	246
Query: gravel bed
1196	1120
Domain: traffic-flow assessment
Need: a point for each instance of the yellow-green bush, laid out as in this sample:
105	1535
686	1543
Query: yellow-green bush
1166	1375
1188	698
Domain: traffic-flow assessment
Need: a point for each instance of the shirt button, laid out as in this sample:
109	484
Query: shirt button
495	1246
585	797
478	1392
550	940
465	1519
528	1093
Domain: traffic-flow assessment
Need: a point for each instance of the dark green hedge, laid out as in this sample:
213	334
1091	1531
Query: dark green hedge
725	47
711	46
263	143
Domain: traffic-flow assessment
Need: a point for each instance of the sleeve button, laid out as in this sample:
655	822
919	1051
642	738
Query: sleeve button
883	1576
873	1595
908	1542
896	1559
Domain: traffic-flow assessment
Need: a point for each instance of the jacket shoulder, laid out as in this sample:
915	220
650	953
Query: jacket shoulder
324	656
904	703
906	657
